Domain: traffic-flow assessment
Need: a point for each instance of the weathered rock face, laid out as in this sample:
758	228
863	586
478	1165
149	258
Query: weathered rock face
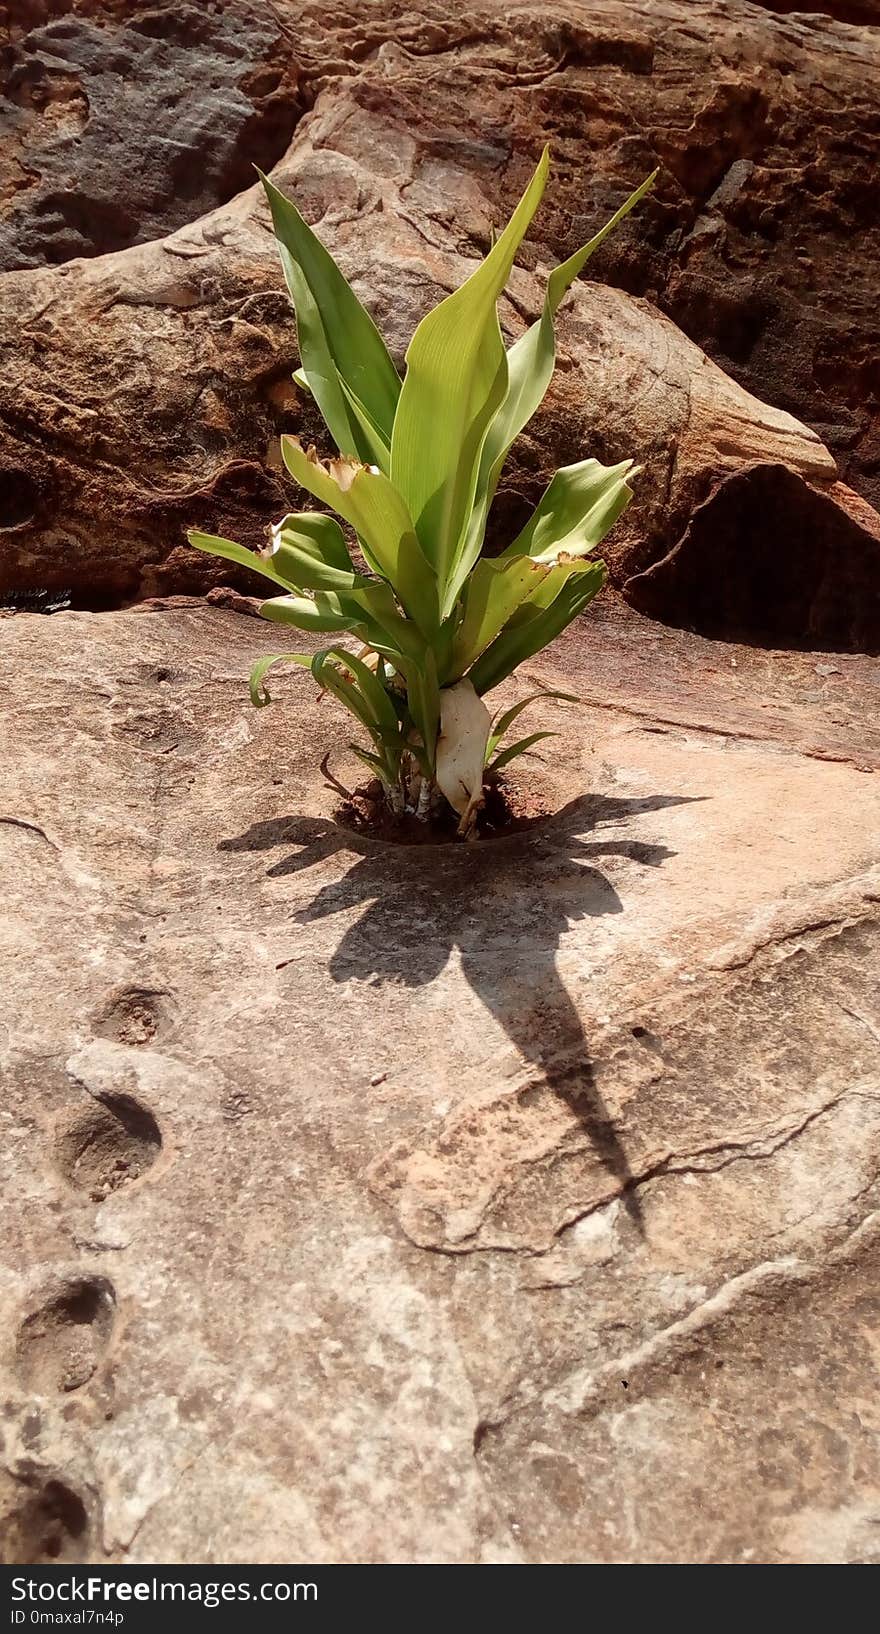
145	390
512	1202
531	1185
124	122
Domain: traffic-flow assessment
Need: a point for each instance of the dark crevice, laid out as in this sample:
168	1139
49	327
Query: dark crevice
18	498
770	561
857	12
106	596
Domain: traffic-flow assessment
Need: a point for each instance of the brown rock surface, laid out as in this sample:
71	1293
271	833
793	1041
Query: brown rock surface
145	389
124	122
512	1202
509	1202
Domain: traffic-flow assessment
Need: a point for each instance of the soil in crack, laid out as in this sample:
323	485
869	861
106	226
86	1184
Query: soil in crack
506	811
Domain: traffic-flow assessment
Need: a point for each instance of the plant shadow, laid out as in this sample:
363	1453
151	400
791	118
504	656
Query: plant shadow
504	905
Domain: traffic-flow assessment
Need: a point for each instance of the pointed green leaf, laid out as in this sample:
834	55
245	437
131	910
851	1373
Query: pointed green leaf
455	380
368	609
355	686
231	552
309	551
555	579
375	763
379	710
389	632
530	364
338	341
504	722
577	509
492	593
423	698
378	449
314	532
518	748
331	679
370	612
259	692
305	613
532	358
366	498
534	626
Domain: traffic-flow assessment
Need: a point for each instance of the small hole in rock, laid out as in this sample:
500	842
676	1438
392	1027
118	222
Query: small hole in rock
41	1521
62	1341
107	1145
480	1433
132	1015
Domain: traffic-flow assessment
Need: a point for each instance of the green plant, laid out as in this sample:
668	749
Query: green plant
419	461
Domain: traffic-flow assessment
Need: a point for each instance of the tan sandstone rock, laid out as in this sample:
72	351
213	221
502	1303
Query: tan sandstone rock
509	1202
515	1201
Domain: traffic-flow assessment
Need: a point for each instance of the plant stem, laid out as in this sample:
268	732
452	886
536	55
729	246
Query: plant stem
424	805
394	796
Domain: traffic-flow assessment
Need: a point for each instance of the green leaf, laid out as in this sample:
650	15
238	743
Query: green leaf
314	532
533	626
532	358
519	748
504	722
577	509
344	690
530	364
379	710
423	698
373	608
556	577
366	498
563	276
389	632
309	551
305	613
375	762
378	449
231	552
355	686
340	347
260	693
455	380
369	610
492	593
